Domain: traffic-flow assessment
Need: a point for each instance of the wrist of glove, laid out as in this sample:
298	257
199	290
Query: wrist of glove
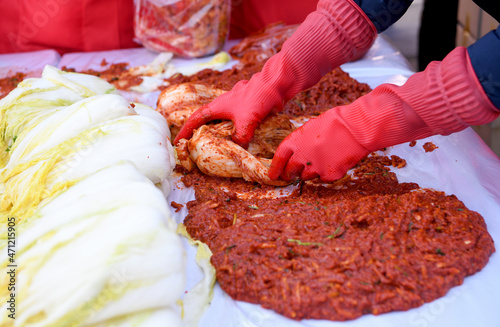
445	98
338	31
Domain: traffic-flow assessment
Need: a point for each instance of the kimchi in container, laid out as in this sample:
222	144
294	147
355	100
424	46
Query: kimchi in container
188	28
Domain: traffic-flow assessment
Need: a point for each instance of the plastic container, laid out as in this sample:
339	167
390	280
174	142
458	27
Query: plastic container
188	28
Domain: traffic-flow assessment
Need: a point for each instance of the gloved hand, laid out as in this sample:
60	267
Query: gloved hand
445	98
337	32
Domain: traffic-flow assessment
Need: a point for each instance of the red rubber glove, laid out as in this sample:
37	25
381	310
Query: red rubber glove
446	98
337	32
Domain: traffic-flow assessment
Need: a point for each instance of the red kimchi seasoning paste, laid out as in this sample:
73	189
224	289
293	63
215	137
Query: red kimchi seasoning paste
364	244
9	83
116	74
429	147
334	89
224	80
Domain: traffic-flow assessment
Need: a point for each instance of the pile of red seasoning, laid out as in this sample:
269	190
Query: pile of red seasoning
117	74
364	244
10	82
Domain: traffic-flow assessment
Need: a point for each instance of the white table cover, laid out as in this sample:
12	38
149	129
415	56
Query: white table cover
462	165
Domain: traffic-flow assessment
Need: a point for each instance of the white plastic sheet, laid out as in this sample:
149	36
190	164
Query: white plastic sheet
30	63
462	165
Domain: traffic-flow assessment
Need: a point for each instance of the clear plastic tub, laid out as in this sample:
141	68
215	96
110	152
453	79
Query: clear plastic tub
188	28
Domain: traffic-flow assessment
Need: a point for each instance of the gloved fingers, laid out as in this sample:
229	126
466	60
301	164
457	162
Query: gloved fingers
279	161
200	117
293	169
333	174
309	172
244	132
186	132
337	168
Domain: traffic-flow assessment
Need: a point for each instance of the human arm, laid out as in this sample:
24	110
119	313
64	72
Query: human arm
337	32
445	98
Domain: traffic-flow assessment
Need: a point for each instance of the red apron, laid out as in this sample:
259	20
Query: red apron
66	25
93	25
248	16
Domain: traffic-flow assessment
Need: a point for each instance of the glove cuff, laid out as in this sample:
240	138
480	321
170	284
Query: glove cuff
359	31
448	95
334	34
444	99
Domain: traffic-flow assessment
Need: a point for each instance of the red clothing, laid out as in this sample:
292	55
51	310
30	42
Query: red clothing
65	25
249	16
8	26
94	25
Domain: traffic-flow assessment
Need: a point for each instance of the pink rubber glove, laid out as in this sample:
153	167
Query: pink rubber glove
337	32
445	98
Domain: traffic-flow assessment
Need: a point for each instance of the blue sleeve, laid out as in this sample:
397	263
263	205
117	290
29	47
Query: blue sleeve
383	13
485	59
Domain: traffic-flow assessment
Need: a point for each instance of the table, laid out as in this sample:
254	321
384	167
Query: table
462	165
